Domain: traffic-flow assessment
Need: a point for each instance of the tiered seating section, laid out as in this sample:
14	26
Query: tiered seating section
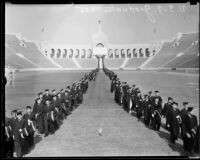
65	63
113	62
28	50
184	55
14	61
88	63
135	62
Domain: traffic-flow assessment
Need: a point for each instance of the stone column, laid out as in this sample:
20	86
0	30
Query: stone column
55	53
98	62
103	61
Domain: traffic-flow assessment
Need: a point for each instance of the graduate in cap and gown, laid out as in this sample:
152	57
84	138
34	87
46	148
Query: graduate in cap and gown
146	108
166	110
190	125
174	122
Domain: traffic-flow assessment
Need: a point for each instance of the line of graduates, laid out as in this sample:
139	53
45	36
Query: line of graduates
178	122
46	117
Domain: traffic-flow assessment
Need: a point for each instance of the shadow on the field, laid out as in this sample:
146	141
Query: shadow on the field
37	139
175	147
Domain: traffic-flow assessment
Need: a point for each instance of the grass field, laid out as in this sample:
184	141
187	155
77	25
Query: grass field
180	86
28	84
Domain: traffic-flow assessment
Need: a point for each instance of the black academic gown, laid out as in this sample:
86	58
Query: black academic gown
147	114
174	123
189	124
18	140
156	117
38	109
139	106
165	111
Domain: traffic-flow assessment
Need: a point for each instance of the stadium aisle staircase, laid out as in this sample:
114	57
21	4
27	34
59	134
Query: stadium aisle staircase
113	62
66	63
135	62
88	62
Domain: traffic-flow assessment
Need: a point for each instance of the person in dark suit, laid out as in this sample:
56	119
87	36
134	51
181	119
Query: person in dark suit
166	110
174	122
190	125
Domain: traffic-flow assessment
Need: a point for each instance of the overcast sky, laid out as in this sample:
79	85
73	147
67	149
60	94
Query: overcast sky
124	23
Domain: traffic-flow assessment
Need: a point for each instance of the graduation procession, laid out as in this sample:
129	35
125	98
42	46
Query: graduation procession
100	80
180	123
44	118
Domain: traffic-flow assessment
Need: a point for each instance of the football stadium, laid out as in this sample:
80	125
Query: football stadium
107	63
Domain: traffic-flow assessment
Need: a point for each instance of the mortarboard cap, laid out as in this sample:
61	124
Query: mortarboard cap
28	107
185	103
19	113
61	90
54	96
14	111
175	103
40	93
150	92
170	98
133	85
53	90
46	90
190	108
156	91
